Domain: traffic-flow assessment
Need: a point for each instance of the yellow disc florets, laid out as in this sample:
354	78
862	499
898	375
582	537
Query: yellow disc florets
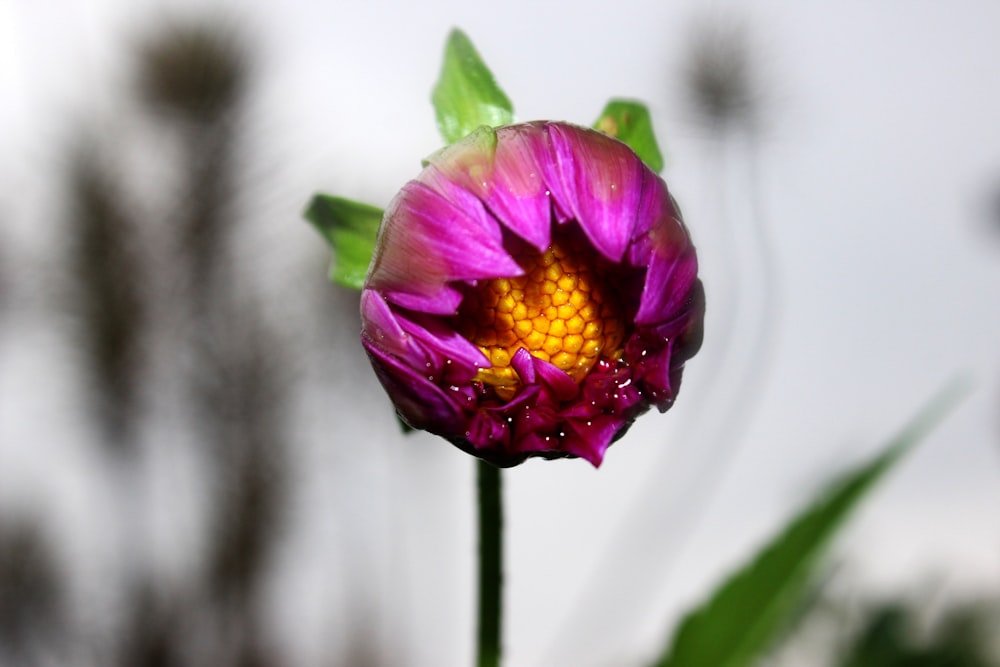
560	310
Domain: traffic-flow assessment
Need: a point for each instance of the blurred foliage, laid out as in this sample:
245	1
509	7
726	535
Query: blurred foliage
750	611
198	76
155	634
193	78
108	283
915	629
32	604
892	634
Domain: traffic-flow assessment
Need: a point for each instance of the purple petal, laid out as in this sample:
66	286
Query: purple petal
538	418
590	439
380	327
420	402
653	372
667	286
661	243
429	347
488	430
427	241
658	224
519	195
534	443
600	184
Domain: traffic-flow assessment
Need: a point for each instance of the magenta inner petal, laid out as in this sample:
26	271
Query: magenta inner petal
519	194
531	369
444	302
440	351
602	181
380	326
668	283
656	210
593	437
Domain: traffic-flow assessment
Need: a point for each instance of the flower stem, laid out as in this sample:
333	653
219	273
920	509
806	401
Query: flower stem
490	564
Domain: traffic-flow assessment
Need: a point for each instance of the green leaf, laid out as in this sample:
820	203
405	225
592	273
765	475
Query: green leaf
629	121
749	611
350	228
466	96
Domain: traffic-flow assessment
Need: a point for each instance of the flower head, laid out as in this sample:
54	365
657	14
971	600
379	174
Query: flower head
532	292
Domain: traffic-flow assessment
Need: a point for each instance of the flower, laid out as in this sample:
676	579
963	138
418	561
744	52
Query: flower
532	292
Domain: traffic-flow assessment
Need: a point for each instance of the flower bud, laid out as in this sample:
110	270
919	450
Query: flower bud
532	292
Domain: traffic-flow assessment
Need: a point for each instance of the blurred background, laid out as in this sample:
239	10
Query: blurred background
198	468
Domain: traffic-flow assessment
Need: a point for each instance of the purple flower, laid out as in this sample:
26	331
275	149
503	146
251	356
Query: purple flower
532	292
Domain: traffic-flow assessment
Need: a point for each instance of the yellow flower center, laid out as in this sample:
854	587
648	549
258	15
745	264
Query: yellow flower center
561	310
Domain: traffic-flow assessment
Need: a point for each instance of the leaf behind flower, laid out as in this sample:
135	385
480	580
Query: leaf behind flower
629	121
350	228
466	95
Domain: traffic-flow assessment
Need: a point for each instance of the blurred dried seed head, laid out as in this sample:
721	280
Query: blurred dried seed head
197	72
720	77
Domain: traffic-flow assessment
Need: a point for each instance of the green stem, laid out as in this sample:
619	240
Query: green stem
490	564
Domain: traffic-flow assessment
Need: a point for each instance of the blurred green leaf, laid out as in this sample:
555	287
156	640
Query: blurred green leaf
350	228
466	96
748	612
629	121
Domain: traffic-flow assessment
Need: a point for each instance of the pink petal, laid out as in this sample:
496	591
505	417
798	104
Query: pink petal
504	171
426	241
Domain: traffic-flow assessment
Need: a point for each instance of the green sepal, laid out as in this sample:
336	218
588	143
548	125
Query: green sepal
752	609
404	428
483	139
630	122
350	228
466	95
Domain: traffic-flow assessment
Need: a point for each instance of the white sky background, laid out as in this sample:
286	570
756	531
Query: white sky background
875	171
